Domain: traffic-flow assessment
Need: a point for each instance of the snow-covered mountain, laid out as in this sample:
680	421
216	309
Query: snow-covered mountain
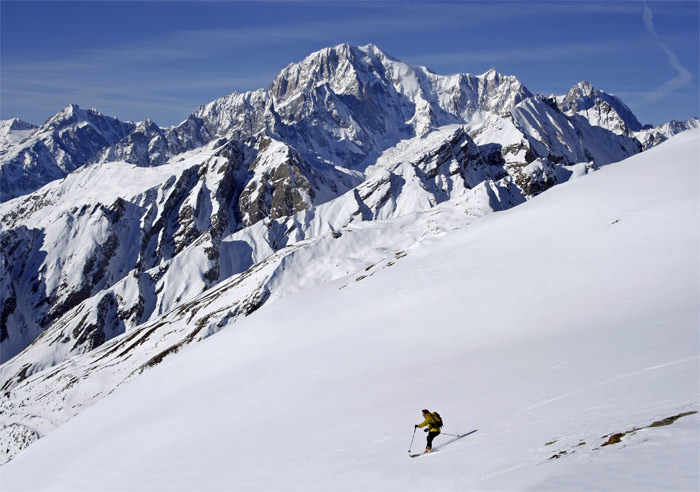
67	141
155	238
14	131
654	136
599	108
609	112
563	331
342	105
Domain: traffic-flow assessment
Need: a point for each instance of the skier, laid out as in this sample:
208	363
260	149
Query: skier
433	429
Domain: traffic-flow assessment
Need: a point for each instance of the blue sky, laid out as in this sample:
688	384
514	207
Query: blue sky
160	60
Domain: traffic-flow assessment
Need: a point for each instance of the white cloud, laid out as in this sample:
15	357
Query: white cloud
683	76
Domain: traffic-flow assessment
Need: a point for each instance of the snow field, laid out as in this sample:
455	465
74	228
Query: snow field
546	327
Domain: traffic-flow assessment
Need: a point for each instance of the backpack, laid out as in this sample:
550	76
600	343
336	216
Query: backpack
438	419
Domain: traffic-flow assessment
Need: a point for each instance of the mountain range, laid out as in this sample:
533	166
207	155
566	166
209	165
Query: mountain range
124	242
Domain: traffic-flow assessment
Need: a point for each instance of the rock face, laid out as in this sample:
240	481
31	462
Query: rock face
13	439
207	221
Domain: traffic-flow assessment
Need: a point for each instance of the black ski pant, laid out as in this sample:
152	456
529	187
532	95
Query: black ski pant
431	435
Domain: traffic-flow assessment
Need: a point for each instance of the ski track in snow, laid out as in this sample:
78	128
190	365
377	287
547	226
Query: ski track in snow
502	472
603	383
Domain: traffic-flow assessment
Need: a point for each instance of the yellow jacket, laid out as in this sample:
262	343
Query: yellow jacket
431	423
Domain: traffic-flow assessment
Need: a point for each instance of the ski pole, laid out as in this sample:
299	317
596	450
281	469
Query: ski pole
414	435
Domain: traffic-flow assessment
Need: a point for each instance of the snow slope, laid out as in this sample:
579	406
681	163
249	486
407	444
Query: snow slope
544	328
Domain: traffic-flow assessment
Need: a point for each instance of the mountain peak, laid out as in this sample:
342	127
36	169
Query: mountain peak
17	124
69	115
492	76
371	47
71	109
337	65
73	114
585	87
342	48
583	90
339	51
146	124
374	50
606	109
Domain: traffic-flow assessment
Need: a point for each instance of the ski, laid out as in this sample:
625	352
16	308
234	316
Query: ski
437	448
423	454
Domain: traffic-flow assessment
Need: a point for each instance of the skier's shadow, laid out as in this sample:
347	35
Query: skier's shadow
455	438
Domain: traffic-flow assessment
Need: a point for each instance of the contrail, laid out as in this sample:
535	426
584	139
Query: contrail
683	76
